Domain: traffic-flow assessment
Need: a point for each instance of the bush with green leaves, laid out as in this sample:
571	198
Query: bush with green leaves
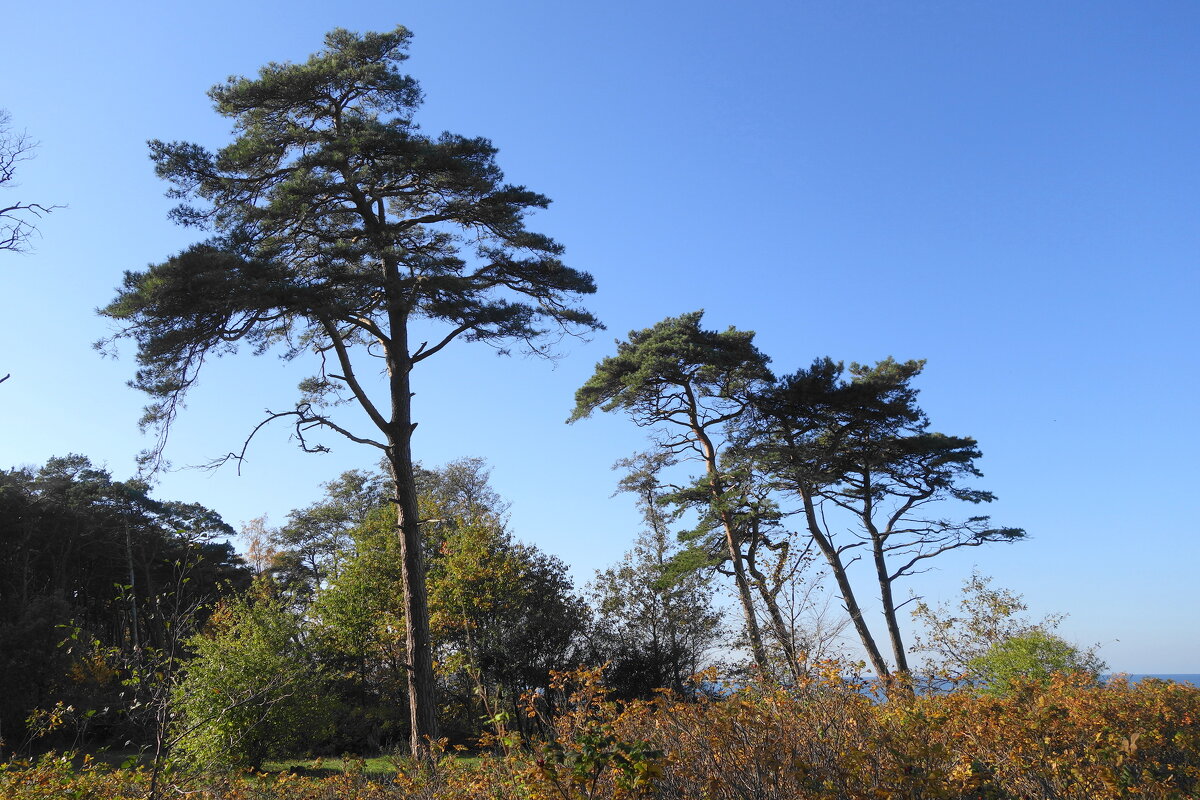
251	692
1033	655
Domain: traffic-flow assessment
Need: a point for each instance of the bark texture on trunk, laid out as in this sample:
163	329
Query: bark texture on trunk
422	687
889	611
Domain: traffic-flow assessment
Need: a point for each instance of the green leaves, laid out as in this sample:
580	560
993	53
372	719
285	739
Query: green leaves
1032	655
595	750
251	691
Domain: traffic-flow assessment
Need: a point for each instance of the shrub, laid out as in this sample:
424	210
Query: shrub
250	692
1032	655
825	739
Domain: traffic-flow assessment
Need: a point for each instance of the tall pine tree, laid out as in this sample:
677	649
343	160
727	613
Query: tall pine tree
337	226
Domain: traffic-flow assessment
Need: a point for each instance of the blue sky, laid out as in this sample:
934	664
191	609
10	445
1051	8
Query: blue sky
1008	190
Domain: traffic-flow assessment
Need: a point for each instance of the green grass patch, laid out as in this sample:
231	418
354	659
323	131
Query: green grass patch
377	767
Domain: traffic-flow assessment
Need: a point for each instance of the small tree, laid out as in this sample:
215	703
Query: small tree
251	691
506	616
357	618
1034	655
654	627
953	636
988	640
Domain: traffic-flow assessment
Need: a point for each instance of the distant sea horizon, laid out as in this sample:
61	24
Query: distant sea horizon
1178	677
1190	678
866	687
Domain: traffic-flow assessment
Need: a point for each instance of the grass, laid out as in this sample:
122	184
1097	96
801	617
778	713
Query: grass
376	767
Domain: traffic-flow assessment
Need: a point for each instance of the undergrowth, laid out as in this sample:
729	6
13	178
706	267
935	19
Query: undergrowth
823	740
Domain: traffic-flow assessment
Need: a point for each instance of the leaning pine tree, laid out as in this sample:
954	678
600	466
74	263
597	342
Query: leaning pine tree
687	384
336	226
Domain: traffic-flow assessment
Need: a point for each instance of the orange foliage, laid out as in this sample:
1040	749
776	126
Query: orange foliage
823	740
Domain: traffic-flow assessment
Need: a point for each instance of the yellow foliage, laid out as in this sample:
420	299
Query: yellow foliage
823	740
92	669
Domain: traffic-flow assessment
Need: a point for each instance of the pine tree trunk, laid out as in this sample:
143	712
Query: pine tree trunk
422	688
733	546
889	615
753	632
833	558
422	700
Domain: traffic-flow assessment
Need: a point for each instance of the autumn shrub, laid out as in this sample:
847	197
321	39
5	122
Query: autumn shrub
250	692
825	739
828	740
585	754
1070	738
56	776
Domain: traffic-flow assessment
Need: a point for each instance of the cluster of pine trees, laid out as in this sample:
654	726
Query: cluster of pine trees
401	605
97	580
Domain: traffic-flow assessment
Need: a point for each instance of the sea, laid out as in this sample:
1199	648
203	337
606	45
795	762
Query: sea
1133	677
726	688
1186	677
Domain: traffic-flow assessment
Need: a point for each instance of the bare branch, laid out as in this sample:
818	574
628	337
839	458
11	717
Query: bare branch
17	221
349	378
424	352
305	420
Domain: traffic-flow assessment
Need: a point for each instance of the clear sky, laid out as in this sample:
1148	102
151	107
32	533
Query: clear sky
1009	190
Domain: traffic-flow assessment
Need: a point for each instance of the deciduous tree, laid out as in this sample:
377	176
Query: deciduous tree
251	691
503	614
1033	655
17	219
315	538
988	640
342	229
655	628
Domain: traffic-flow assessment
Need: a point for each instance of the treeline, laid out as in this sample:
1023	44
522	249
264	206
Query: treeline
128	619
127	624
95	576
320	641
